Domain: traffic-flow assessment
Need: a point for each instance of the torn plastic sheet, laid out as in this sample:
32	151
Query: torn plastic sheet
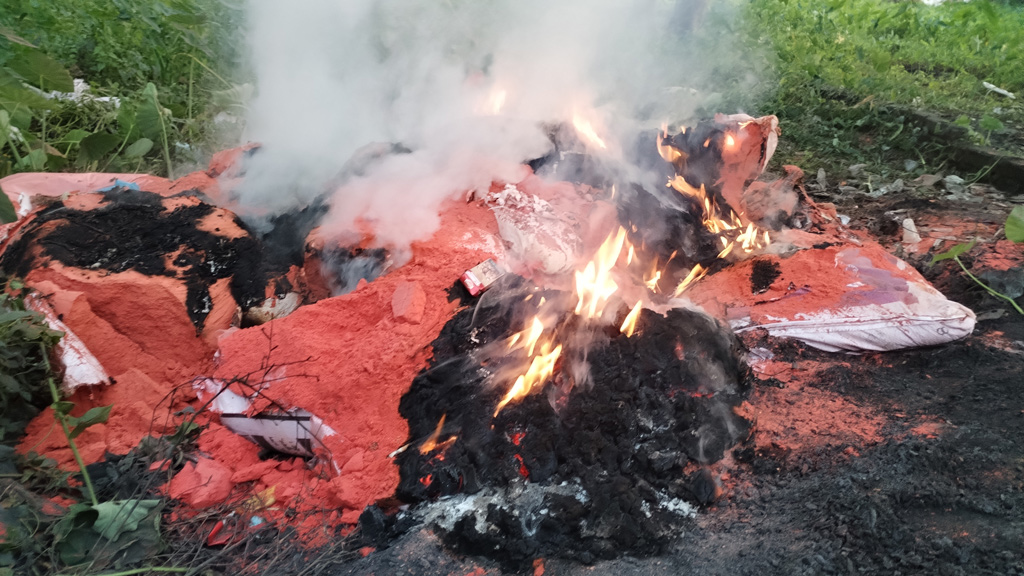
81	368
294	431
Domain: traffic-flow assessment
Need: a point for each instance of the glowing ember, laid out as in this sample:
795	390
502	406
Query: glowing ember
587	130
523	471
629	324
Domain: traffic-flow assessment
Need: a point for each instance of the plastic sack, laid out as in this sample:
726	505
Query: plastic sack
837	297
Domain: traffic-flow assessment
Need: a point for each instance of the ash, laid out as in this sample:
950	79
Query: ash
585	471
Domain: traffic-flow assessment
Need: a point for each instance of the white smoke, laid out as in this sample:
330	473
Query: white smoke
336	75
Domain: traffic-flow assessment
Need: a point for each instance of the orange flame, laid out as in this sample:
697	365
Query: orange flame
669	153
629	324
594	285
695	274
584	127
431	442
541	368
730	227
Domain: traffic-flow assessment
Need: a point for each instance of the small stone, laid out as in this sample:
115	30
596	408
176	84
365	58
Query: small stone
408	302
857	169
822	182
953	180
910	165
354	464
910	234
897	186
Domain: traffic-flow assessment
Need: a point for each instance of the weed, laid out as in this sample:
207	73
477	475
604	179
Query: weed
1014	230
126	50
25	341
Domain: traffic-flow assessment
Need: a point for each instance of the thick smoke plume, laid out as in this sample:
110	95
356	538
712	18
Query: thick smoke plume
454	93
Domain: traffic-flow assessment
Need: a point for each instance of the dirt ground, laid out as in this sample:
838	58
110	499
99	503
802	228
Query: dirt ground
906	462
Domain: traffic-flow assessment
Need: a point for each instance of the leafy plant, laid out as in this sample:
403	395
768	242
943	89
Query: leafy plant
25	342
1014	231
128	51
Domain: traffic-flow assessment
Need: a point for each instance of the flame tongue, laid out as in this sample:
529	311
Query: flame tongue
594	285
586	129
629	324
727	224
541	368
431	443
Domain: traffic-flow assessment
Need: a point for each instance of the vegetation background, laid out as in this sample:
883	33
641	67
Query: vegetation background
845	78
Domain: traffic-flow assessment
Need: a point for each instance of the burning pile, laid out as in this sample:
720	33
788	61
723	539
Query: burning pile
607	468
567	422
577	406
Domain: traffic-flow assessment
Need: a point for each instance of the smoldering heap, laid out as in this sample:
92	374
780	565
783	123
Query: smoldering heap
612	452
592	473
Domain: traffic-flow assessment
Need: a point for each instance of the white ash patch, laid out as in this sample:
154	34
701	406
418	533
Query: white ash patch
676	506
525	500
484	242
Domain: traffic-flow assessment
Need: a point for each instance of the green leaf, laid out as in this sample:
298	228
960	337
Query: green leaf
5	127
14	316
94	147
77	516
7	212
10	35
963	121
953	252
73	136
34	160
97	415
150	114
73	536
19	100
139	148
881	60
63	407
1015	224
990	124
187	19
40	70
116	518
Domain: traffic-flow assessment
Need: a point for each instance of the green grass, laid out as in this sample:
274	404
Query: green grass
847	71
